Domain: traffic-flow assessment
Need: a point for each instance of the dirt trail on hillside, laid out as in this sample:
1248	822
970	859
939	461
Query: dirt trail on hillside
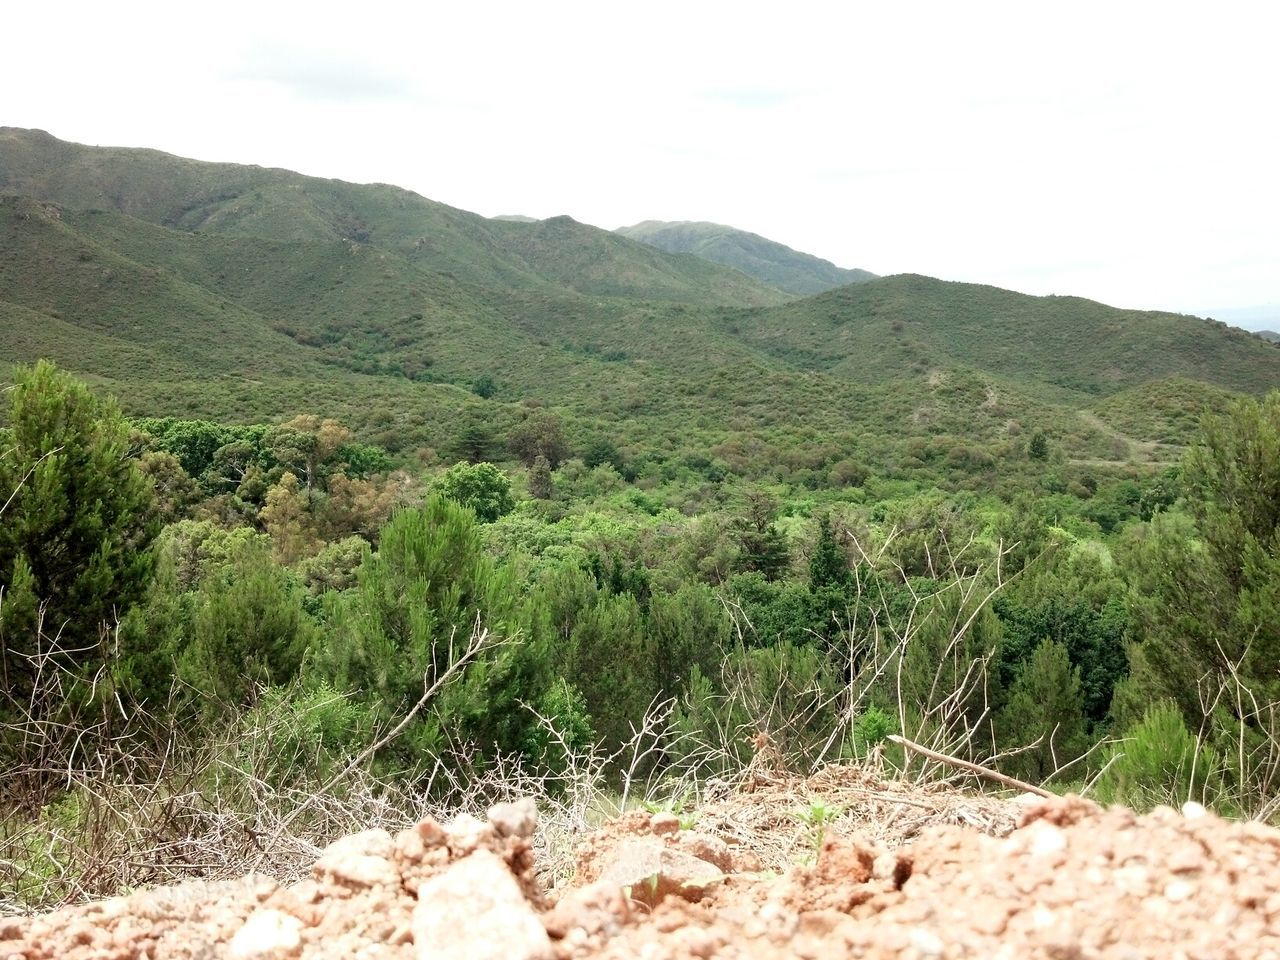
1138	452
1070	881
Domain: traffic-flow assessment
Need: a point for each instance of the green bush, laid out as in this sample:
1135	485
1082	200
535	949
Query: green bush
1160	761
872	727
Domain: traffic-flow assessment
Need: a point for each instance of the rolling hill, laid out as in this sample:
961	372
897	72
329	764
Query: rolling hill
770	262
233	292
269	204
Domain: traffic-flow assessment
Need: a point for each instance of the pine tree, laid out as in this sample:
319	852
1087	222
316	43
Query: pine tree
1044	704
78	522
541	486
1208	589
828	566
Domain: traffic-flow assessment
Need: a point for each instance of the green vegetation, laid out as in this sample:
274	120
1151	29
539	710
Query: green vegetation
422	495
769	262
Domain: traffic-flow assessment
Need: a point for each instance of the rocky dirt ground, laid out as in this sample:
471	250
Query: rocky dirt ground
952	876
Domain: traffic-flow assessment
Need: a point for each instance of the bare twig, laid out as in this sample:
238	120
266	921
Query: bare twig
973	768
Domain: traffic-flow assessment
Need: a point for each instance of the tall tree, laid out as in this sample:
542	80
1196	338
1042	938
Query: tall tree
79	515
1209	596
539	435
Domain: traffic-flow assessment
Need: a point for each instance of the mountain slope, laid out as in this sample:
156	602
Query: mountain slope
880	329
271	204
766	260
667	355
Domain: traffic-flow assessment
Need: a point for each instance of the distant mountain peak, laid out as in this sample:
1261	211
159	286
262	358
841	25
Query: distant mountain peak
767	260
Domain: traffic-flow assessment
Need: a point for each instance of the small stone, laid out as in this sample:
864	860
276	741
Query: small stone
409	846
664	823
517	819
1047	840
431	832
653	871
598	909
884	866
705	847
1194	811
360	860
926	942
474	910
1178	890
466	834
267	933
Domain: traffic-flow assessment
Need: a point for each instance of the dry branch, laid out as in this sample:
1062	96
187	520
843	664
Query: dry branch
973	768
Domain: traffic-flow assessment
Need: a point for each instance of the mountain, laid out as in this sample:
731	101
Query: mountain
215	290
269	204
1268	335
766	260
873	331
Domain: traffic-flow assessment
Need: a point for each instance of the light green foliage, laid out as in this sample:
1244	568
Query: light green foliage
302	727
564	731
334	567
818	816
1159	761
189	550
175	492
482	487
1209	596
248	632
872	727
416	602
78	525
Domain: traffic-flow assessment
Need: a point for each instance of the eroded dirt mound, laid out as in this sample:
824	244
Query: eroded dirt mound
1073	881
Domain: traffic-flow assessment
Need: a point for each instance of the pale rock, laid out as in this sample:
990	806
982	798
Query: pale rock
599	909
705	847
360	860
926	942
664	823
653	871
514	819
474	910
1194	811
1046	839
466	833
431	833
267	933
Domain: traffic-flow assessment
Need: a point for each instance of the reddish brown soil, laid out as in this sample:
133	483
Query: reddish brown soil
1072	881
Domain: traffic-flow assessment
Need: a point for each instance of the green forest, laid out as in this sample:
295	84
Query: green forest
300	478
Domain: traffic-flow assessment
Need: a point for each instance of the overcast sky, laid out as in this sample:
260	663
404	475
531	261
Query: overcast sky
1128	152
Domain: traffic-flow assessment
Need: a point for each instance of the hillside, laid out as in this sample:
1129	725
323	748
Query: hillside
880	329
269	204
768	261
215	290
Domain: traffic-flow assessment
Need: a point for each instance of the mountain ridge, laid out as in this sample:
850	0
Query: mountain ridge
776	264
241	318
